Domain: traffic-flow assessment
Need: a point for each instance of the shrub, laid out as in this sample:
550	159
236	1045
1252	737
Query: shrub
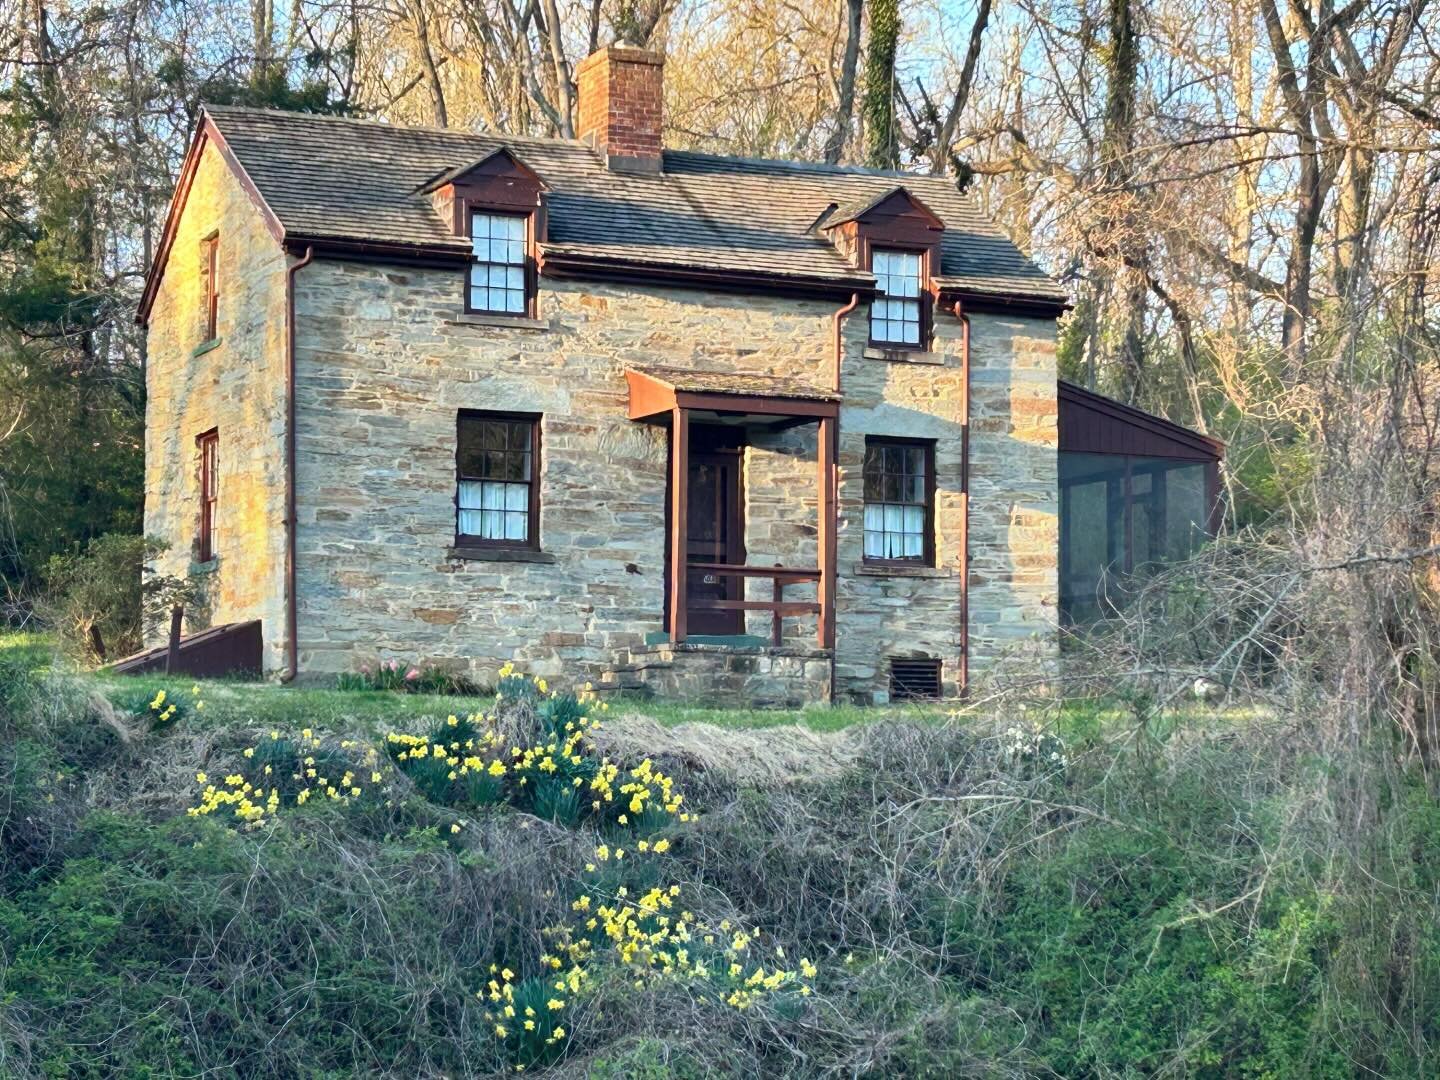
104	602
410	679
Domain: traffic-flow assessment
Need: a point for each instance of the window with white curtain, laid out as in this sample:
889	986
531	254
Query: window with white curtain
899	497
496	466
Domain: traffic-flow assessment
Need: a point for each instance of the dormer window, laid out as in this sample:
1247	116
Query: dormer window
897	238
897	315
500	278
498	205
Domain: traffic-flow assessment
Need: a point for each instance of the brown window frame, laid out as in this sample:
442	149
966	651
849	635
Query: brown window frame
212	285
208	445
532	538
924	299
527	219
927	555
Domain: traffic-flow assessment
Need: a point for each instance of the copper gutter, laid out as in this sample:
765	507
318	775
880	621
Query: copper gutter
964	321
839	353
292	647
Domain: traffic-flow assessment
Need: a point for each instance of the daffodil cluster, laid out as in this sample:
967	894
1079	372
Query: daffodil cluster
642	797
165	710
528	1016
458	764
647	930
280	771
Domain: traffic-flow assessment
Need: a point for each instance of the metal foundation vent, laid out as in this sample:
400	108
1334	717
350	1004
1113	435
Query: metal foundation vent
914	678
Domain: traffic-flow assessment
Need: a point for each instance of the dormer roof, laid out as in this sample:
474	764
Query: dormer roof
888	202
498	162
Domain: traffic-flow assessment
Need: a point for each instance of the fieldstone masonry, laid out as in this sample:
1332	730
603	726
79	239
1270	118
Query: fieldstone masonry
234	384
385	360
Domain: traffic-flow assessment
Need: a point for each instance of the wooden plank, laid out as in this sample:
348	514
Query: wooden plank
649	398
826	540
754	404
789	607
679	526
172	652
796	573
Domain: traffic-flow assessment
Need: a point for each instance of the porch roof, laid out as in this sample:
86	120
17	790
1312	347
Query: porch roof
658	391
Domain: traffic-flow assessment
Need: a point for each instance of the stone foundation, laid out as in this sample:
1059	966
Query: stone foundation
726	676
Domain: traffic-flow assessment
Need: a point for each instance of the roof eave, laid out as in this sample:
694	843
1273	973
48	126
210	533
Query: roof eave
1206	445
569	264
1002	302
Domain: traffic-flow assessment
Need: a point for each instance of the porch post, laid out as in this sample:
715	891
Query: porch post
825	539
679	527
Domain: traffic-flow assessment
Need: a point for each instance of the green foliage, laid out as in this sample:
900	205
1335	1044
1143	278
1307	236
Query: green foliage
133	898
1182	910
410	679
882	132
111	591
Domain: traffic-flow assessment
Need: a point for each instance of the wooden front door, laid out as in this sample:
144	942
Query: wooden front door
716	534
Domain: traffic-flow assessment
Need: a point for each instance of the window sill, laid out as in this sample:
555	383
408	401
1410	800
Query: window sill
515	322
209	566
865	569
206	346
498	554
903	356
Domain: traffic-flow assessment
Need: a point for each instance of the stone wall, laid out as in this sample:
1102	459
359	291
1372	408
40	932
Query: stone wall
234	384
1014	493
385	361
727	676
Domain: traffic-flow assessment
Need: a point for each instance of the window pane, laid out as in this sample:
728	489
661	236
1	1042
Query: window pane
874	545
517	496
492	525
469	523
516	526
469	495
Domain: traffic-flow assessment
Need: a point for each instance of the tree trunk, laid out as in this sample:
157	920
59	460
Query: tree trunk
882	140
845	96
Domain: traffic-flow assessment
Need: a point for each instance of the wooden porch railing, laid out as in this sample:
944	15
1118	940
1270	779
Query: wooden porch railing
776	605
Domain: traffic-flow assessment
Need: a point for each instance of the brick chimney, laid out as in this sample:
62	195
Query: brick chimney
619	111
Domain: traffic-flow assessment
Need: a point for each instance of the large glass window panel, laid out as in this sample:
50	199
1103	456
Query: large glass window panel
1120	515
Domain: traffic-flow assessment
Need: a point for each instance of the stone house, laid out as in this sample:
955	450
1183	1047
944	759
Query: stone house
723	427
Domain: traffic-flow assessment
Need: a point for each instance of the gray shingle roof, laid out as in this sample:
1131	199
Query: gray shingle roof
737	383
358	180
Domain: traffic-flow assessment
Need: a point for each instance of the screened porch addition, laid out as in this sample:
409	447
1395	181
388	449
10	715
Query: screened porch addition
1136	491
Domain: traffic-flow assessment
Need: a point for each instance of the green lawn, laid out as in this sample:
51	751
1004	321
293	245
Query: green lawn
229	701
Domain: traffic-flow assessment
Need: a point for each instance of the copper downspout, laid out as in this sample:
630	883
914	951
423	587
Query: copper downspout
839	352
964	321
292	647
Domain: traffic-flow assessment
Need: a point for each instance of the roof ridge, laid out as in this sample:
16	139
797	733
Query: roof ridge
800	165
823	168
367	121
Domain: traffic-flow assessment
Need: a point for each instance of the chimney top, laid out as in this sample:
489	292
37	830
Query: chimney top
621	91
